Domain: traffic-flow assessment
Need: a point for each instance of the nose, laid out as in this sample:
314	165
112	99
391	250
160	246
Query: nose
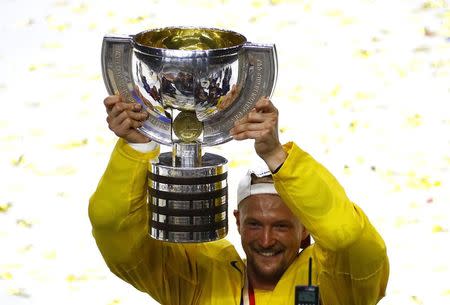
267	239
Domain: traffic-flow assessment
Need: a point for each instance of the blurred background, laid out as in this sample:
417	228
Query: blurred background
363	85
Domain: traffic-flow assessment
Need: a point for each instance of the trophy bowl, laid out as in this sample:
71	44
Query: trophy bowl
216	73
195	83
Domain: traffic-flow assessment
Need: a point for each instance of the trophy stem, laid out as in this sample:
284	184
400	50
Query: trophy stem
186	154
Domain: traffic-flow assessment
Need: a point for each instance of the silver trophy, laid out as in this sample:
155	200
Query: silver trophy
194	83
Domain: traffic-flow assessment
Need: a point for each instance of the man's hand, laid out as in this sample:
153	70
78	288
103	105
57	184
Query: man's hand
261	124
124	118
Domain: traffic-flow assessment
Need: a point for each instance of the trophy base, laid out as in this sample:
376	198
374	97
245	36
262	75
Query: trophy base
188	204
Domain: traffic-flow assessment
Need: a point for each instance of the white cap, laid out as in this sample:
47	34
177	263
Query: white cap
246	188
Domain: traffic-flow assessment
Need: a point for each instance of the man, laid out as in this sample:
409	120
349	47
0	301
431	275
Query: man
349	258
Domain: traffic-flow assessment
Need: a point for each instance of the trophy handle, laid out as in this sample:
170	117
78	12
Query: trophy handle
263	60
116	58
258	63
117	69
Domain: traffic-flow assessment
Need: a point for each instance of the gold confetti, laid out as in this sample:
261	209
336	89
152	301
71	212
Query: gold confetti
71	278
433	4
360	95
364	53
416	300
347	170
24	223
136	20
420	182
360	160
112	30
348	20
66	170
397	188
52	45
335	91
438	229
61	3
95	77
445	28
414	120
4	207
6	276
25	248
257	3
73	144
333	13
50	255
34	67
18	292
80	9
84	98
76	278
27	22
402	73
347	104
353	126
234	163
276	2
60	27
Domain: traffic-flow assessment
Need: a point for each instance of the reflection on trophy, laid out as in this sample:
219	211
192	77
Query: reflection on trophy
194	83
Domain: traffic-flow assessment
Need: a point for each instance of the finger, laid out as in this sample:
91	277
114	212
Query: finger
138	116
248	127
128	124
265	105
125	128
265	127
121	107
257	117
116	121
244	119
250	134
110	101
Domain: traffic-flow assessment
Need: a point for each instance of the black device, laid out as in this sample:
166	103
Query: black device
307	295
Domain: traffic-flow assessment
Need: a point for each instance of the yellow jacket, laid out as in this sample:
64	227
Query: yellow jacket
350	264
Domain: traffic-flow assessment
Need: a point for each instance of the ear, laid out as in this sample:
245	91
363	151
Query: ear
238	223
305	233
306	239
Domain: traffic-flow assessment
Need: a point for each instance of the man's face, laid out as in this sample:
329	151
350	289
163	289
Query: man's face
270	235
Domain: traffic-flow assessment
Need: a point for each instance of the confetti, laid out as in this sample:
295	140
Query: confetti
19	292
73	144
6	276
4	207
24	223
361	83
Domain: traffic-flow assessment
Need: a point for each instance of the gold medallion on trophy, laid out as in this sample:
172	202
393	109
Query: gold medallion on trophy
187	127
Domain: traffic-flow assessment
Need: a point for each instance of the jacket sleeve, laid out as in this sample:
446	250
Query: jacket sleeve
351	256
118	213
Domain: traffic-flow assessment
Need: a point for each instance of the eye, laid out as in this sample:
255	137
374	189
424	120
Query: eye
253	224
282	227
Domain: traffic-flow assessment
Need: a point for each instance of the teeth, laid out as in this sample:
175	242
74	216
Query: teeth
267	253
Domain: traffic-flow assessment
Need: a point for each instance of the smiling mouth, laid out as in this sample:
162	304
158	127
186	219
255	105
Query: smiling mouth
267	253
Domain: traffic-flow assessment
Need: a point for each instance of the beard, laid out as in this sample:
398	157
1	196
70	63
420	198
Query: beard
271	275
